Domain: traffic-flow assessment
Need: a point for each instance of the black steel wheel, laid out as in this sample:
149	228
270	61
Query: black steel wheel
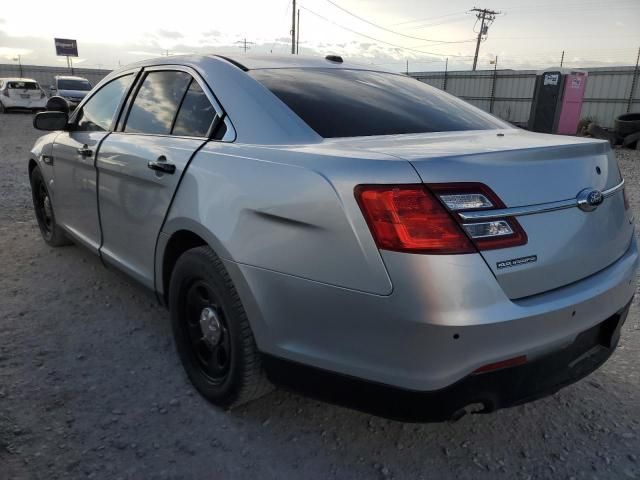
212	333
43	207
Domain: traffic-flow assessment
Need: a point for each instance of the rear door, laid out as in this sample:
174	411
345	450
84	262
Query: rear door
74	152
171	116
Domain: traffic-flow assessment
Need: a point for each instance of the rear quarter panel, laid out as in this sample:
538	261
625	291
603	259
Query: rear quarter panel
288	209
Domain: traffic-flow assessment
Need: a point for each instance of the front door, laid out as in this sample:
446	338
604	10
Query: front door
140	167
74	154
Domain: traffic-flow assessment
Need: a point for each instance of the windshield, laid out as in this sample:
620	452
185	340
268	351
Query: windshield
350	103
82	85
23	85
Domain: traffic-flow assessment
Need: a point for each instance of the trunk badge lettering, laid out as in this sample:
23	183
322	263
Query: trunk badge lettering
589	199
514	262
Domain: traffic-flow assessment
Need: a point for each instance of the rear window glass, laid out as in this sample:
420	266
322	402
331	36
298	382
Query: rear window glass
351	103
23	85
196	113
81	85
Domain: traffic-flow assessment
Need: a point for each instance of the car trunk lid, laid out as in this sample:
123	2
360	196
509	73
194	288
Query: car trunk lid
525	170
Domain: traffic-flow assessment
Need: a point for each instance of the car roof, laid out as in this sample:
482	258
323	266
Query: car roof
18	79
68	77
255	62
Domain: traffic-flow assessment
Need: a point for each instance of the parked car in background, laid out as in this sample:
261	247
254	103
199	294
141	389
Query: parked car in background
21	93
72	89
306	213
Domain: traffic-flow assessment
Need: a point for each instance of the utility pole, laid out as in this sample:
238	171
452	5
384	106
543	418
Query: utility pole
634	82
446	70
244	44
493	84
562	59
298	35
407	66
486	18
293	28
19	60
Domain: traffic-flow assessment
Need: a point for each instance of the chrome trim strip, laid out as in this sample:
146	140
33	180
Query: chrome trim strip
532	209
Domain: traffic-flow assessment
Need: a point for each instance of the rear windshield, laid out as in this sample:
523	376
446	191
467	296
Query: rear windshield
351	103
81	85
23	85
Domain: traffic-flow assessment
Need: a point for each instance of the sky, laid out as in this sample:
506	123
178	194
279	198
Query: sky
527	34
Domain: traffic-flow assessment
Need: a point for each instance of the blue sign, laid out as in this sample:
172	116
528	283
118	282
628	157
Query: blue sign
66	47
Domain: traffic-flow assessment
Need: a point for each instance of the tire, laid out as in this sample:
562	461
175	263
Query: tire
627	123
2	109
51	232
224	363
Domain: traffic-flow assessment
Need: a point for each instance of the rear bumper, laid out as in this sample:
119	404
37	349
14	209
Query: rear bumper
446	317
23	103
476	393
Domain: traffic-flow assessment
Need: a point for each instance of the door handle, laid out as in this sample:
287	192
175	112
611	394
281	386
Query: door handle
161	165
85	151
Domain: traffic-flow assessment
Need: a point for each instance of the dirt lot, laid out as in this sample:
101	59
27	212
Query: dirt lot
91	387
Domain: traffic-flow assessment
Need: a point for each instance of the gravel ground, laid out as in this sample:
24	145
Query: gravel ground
91	387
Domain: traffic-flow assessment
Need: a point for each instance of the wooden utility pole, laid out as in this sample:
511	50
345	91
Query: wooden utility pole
298	35
562	59
244	44
293	28
634	82
486	18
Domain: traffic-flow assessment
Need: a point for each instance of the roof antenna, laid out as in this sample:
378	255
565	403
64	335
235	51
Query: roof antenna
334	58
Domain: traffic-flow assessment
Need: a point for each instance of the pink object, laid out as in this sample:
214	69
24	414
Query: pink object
574	87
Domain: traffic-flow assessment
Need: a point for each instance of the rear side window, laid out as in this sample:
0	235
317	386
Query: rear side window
23	85
157	102
97	113
351	103
196	113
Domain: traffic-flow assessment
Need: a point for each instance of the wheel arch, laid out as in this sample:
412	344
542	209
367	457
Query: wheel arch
32	165
178	236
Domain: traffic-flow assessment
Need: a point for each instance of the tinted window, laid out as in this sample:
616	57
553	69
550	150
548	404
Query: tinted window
157	102
196	113
97	114
349	103
23	85
81	85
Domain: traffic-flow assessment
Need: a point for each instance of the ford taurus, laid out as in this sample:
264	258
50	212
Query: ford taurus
345	221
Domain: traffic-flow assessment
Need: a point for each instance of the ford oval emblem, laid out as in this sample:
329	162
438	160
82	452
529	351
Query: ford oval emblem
589	199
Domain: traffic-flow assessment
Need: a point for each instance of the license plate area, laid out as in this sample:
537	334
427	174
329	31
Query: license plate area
25	95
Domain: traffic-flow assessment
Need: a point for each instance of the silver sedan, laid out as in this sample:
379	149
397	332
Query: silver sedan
334	226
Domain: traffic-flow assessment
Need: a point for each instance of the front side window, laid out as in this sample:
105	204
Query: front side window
97	114
352	103
157	102
196	113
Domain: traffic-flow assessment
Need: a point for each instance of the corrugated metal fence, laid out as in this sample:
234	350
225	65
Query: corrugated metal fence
44	75
508	93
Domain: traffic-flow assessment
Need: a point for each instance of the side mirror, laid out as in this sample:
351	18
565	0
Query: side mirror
50	121
58	104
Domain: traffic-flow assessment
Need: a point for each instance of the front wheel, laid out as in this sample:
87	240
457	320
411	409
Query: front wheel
51	232
212	333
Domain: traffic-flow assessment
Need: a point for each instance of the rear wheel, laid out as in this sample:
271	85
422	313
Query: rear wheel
212	332
51	232
2	109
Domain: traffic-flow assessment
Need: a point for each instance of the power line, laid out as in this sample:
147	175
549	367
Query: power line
388	29
430	18
381	41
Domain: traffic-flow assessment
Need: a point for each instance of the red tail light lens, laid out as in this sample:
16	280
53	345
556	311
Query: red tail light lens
6	92
408	218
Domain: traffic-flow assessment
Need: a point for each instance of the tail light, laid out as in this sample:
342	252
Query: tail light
419	219
503	232
42	94
408	218
6	92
